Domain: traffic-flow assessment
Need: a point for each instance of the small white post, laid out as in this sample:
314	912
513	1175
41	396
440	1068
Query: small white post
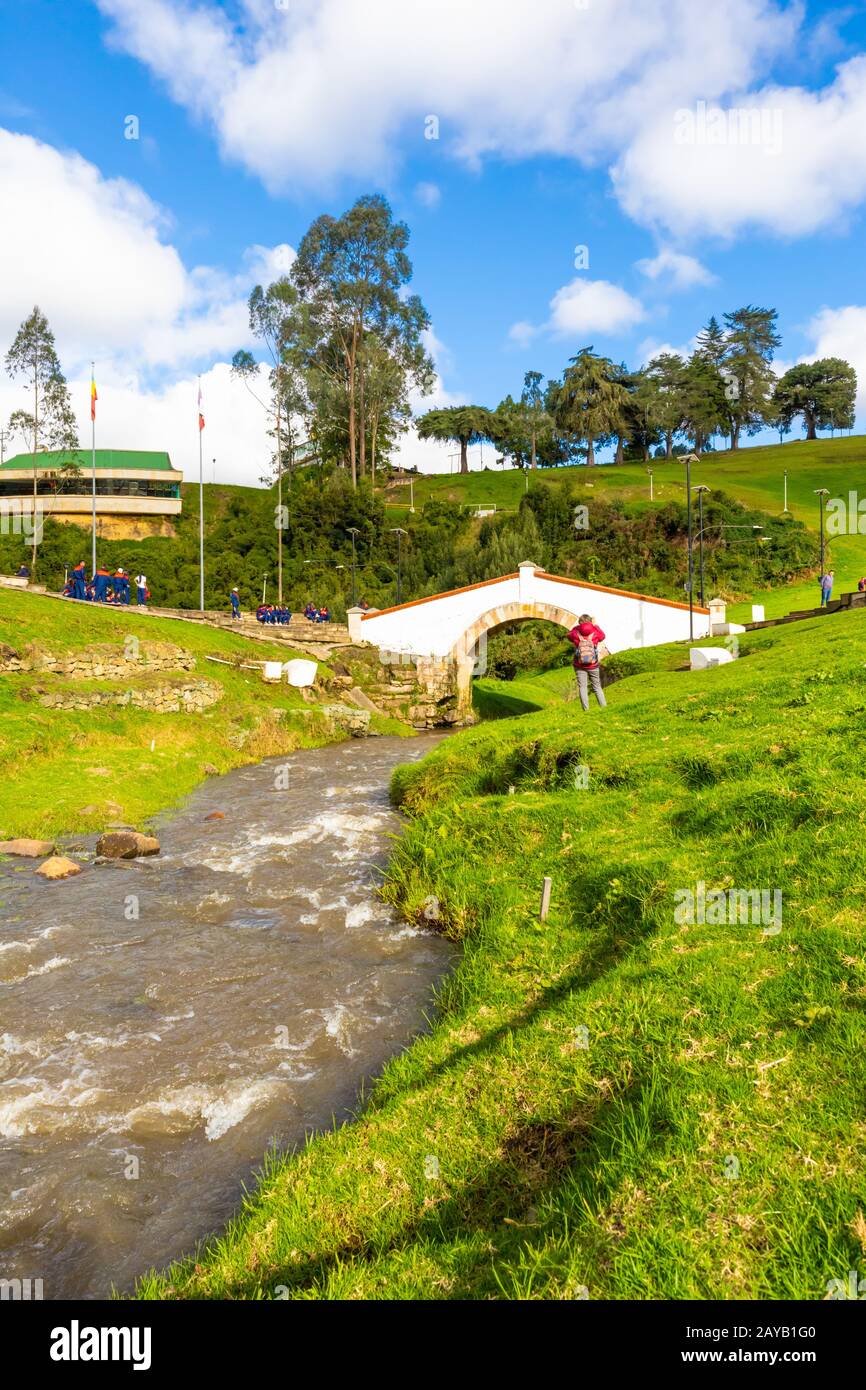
545	899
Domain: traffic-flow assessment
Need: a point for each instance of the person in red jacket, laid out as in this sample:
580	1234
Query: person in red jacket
586	637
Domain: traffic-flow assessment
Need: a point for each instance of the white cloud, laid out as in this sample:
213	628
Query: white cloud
678	271
583	307
92	253
653	347
314	89
523	333
593	306
783	160
429	195
307	92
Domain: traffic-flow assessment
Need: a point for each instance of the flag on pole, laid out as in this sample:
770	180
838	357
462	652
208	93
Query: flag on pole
93	397
200	416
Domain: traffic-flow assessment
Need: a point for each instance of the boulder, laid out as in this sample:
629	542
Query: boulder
126	844
58	867
216	815
27	849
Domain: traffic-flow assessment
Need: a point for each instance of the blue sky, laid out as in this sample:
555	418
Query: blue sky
559	126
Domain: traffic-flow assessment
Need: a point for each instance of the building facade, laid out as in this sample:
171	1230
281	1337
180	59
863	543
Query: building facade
138	491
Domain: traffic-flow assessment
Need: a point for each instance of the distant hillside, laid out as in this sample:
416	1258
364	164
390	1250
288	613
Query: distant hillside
628	539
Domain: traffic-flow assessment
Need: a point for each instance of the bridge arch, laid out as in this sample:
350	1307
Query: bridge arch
505	613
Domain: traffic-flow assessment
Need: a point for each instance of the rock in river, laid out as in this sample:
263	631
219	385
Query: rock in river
27	849
58	867
126	844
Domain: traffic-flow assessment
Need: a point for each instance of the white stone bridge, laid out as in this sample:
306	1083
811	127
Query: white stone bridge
445	635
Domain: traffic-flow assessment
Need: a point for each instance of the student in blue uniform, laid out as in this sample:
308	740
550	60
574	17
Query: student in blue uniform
79	581
235	598
100	584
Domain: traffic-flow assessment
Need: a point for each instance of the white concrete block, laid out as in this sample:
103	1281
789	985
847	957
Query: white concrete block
273	671
701	658
757	612
300	673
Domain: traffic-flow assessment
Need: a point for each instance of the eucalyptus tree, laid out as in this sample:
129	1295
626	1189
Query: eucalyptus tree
275	322
351	275
665	373
50	422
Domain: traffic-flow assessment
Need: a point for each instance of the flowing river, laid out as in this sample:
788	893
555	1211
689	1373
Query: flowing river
164	1021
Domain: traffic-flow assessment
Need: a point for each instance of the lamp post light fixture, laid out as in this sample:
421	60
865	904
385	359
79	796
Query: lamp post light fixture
399	533
265	589
353	532
821	493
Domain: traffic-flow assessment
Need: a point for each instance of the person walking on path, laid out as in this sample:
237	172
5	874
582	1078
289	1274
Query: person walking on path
586	638
141	587
826	588
236	605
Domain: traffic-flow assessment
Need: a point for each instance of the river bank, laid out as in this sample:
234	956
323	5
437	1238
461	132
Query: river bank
623	1101
168	1021
84	765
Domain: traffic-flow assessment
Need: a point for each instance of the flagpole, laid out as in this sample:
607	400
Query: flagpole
93	465
200	505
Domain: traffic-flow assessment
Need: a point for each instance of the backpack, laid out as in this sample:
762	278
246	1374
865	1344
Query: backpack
586	653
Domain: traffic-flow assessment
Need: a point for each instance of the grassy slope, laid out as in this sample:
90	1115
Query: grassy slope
706	1141
53	763
753	476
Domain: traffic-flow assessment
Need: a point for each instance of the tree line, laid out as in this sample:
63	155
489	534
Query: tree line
726	387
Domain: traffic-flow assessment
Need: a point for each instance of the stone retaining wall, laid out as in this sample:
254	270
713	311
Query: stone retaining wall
168	697
100	663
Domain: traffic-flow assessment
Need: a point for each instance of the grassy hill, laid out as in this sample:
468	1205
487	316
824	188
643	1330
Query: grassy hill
620	1102
64	770
754	476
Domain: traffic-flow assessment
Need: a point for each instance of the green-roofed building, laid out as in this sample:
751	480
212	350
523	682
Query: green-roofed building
137	490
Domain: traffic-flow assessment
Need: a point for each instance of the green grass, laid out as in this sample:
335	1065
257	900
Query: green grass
63	771
613	1101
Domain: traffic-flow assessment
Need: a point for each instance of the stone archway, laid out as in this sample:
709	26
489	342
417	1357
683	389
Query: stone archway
462	653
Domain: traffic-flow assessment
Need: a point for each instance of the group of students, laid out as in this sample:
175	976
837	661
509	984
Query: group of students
271	613
317	615
105	586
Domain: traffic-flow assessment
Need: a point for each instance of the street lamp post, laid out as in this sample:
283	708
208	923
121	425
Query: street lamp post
785	507
399	533
688	460
821	493
700	490
353	532
649	470
265	589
